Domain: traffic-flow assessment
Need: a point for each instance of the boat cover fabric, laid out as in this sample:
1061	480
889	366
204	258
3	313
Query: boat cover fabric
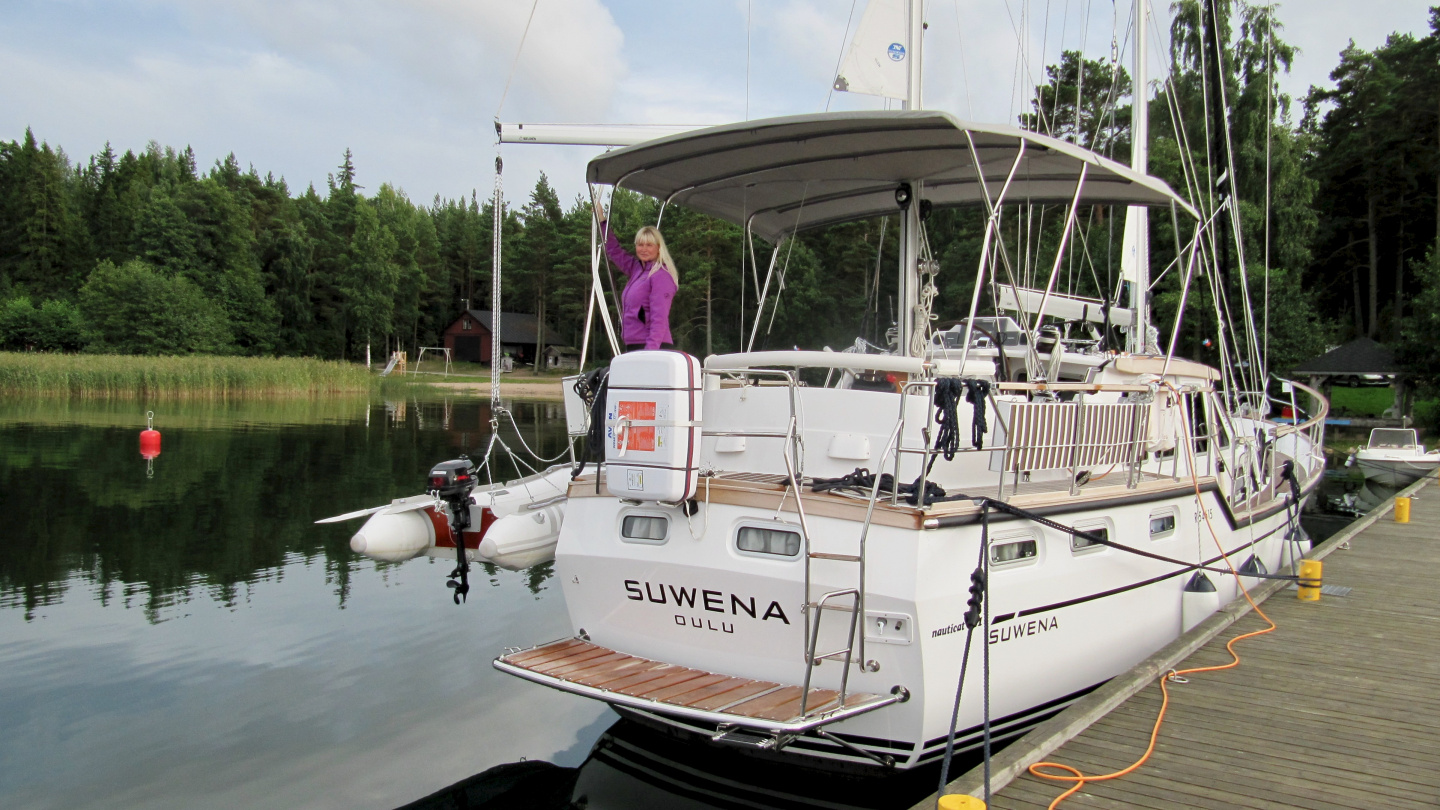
784	175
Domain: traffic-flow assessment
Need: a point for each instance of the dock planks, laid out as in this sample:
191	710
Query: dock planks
1338	708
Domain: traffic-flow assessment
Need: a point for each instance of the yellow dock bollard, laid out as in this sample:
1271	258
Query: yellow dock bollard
1402	510
961	801
1309	581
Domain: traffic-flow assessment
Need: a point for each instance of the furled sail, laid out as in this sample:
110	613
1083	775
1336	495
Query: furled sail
876	62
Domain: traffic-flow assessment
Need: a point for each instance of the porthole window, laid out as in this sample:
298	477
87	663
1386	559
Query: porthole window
1078	543
1162	525
1013	552
773	542
652	529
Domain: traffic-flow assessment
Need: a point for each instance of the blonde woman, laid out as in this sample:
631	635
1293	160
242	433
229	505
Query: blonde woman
653	282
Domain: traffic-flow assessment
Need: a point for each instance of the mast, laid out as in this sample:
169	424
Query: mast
915	33
1135	254
909	297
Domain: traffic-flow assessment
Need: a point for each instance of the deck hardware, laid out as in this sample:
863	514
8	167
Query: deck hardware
872	665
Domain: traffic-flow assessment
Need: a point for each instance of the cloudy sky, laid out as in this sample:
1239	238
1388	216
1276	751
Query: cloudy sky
413	86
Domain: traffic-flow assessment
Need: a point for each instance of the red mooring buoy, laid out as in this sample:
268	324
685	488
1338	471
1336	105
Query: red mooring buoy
149	438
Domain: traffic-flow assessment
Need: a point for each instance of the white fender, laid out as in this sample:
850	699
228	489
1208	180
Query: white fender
394	536
524	538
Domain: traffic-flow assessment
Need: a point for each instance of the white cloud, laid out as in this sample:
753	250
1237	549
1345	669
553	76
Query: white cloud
569	65
412	85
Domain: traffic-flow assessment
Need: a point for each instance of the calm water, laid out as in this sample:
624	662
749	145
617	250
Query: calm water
190	638
185	636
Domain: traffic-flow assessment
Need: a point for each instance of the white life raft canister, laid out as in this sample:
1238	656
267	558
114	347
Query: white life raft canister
652	426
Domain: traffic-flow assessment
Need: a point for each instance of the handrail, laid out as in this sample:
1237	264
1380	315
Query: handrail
748	361
1317	419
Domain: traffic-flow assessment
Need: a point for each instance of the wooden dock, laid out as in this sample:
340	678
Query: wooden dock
1340	707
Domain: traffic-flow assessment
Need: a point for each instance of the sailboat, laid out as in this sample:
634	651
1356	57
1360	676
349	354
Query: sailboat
816	570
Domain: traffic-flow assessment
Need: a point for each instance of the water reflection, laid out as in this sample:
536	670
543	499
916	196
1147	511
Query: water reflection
193	640
236	490
633	766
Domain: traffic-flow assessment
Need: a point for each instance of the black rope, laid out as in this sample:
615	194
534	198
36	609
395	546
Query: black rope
1105	541
948	391
947	405
862	482
592	388
978	583
976	392
1287	473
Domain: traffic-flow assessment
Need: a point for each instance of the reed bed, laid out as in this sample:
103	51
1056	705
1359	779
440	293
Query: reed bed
108	375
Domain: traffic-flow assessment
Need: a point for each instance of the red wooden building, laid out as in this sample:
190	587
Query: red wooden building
469	338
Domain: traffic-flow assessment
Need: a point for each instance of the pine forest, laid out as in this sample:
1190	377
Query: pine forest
144	252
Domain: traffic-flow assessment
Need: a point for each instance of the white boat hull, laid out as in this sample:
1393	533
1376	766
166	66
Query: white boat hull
1061	623
1393	470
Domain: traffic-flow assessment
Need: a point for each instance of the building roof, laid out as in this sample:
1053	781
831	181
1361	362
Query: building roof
515	327
1359	356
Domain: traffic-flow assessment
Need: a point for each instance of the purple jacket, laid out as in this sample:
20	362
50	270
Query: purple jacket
651	292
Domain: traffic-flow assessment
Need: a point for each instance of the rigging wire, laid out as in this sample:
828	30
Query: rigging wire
516	61
497	210
964	71
1269	131
840	57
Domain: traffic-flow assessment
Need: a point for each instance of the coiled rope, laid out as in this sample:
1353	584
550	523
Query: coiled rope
948	391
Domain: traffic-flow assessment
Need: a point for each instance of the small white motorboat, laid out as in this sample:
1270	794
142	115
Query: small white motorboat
514	524
1395	458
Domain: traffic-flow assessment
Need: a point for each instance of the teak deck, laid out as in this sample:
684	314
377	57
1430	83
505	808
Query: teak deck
1339	707
580	662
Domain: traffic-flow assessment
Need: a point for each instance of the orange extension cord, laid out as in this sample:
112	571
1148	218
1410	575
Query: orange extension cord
1073	775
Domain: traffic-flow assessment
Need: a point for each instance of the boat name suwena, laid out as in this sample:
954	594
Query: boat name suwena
713	601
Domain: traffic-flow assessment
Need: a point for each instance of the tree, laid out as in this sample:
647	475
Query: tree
132	309
47	241
1081	104
368	285
1377	162
536	254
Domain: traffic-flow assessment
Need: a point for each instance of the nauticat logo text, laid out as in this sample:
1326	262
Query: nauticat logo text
1006	632
701	599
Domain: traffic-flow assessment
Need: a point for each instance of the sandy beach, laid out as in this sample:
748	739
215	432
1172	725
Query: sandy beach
518	390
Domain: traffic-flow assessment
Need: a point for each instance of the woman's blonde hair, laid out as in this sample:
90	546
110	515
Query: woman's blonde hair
650	233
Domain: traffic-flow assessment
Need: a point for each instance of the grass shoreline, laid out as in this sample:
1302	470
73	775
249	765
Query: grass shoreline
102	375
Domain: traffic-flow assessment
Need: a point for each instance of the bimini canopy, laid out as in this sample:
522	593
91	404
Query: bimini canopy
799	172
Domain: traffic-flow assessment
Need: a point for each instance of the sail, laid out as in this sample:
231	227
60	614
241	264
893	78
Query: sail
876	63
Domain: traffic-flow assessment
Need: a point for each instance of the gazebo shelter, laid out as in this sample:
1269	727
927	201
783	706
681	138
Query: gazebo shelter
1360	361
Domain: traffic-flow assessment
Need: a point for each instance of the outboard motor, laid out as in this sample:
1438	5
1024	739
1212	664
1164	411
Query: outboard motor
452	482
